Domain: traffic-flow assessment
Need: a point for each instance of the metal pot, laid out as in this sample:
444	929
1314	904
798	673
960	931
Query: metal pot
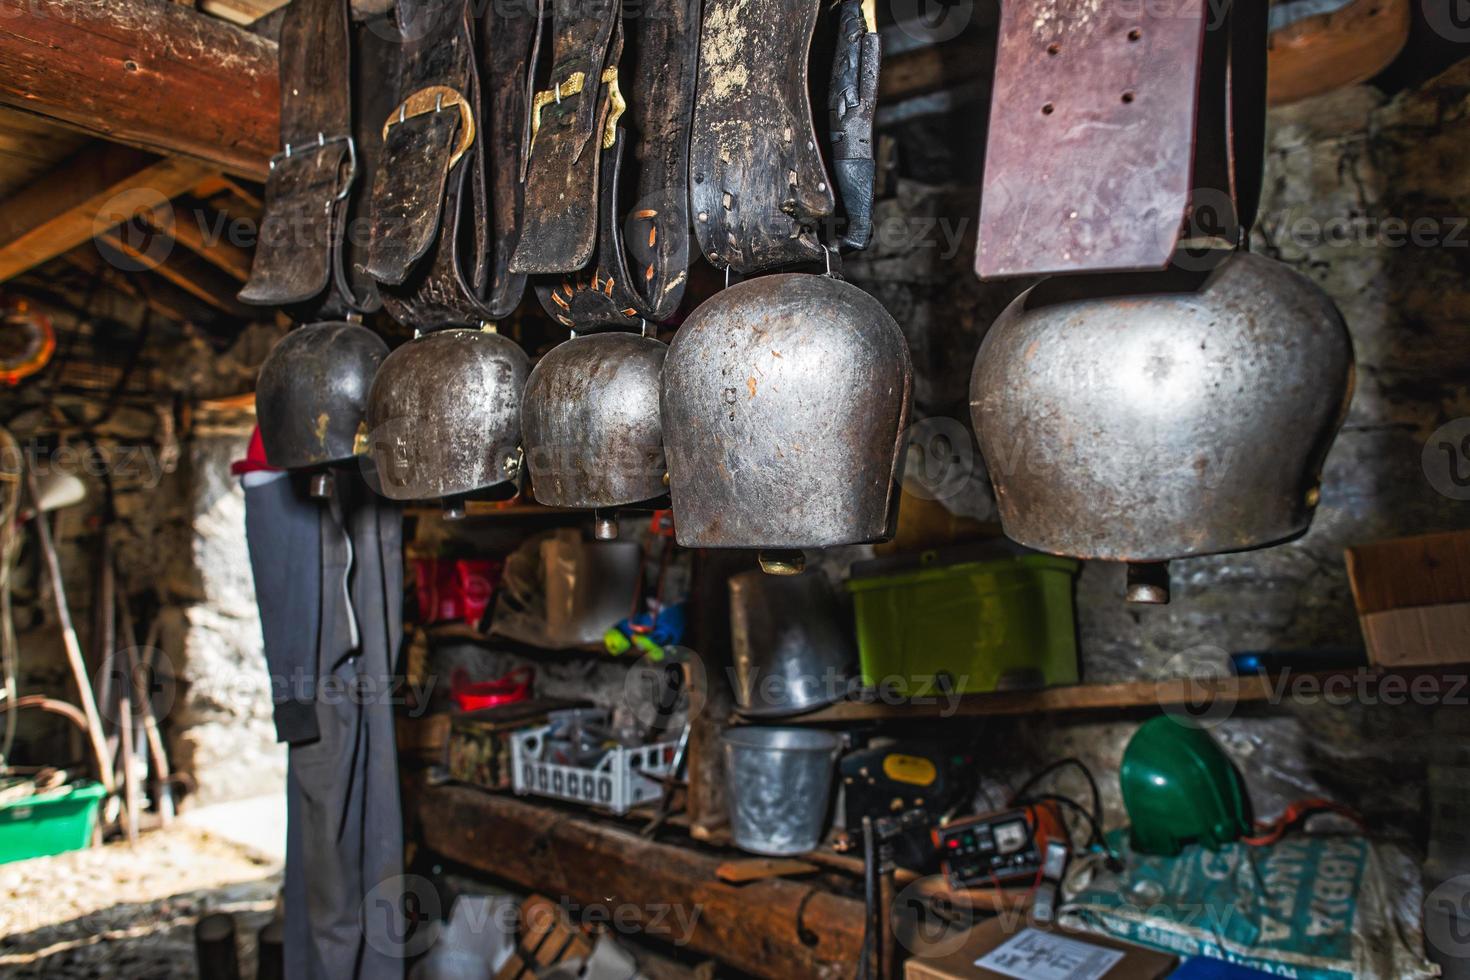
1146	417
590	422
444	414
792	650
778	781
784	398
311	397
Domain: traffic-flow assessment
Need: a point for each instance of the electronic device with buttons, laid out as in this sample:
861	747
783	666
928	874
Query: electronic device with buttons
1002	848
910	783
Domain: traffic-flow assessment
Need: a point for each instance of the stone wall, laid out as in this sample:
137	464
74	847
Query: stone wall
180	549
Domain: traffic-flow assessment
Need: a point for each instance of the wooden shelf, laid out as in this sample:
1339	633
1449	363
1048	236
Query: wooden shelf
517	507
1198	694
459	631
769	928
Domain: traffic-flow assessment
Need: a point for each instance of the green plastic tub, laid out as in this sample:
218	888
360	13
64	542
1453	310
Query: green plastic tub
966	626
49	823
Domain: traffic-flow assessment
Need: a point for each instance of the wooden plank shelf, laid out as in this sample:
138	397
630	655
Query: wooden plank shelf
769	928
1197	694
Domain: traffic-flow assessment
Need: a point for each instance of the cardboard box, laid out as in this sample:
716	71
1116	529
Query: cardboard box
1035	953
1413	599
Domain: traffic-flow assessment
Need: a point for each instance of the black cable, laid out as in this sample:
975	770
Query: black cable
1059	764
1092	822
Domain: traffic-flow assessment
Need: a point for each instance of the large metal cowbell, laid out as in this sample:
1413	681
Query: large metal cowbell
1153	416
444	414
311	397
590	421
784	400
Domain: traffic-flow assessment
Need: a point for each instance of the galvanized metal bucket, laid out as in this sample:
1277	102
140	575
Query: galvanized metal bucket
778	781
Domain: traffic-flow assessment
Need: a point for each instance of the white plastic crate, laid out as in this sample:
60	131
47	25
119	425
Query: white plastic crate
621	780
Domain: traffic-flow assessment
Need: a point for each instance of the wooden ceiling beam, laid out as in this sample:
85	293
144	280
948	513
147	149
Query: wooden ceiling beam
160	76
103	184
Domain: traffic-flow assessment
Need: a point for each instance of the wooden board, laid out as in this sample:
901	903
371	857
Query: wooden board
156	75
1424	570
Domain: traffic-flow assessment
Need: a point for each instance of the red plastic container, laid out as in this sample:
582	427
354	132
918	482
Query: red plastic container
471	695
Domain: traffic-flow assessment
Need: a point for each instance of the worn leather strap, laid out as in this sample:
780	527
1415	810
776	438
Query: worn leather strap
432	130
374	61
297	254
642	256
853	101
509	35
759	186
662	60
1153	128
559	228
602	296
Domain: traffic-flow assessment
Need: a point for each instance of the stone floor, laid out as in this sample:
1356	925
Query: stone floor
124	912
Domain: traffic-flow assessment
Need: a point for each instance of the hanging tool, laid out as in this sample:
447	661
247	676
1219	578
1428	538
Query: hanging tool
70	642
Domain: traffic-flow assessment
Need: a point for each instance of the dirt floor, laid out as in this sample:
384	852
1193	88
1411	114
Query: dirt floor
122	912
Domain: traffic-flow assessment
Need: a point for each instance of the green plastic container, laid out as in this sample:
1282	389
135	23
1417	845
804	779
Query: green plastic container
49	823
967	626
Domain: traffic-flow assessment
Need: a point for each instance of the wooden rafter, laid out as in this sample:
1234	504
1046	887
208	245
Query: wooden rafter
201	231
160	255
102	185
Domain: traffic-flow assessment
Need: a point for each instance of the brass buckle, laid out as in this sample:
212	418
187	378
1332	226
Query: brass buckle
573	86
437	98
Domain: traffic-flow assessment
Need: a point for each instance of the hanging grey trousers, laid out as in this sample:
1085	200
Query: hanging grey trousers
329	581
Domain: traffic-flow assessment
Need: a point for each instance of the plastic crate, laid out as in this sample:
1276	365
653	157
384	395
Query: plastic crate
967	626
621	779
50	822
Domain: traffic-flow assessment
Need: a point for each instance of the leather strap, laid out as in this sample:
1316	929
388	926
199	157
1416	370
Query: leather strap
374	55
568	122
662	59
642	256
432	130
1153	129
437	245
602	297
510	33
297	254
759	185
853	101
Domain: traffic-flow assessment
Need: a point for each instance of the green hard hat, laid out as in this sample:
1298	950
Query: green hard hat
1178	786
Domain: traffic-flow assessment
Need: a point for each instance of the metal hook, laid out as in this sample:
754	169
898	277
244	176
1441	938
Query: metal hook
727	277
